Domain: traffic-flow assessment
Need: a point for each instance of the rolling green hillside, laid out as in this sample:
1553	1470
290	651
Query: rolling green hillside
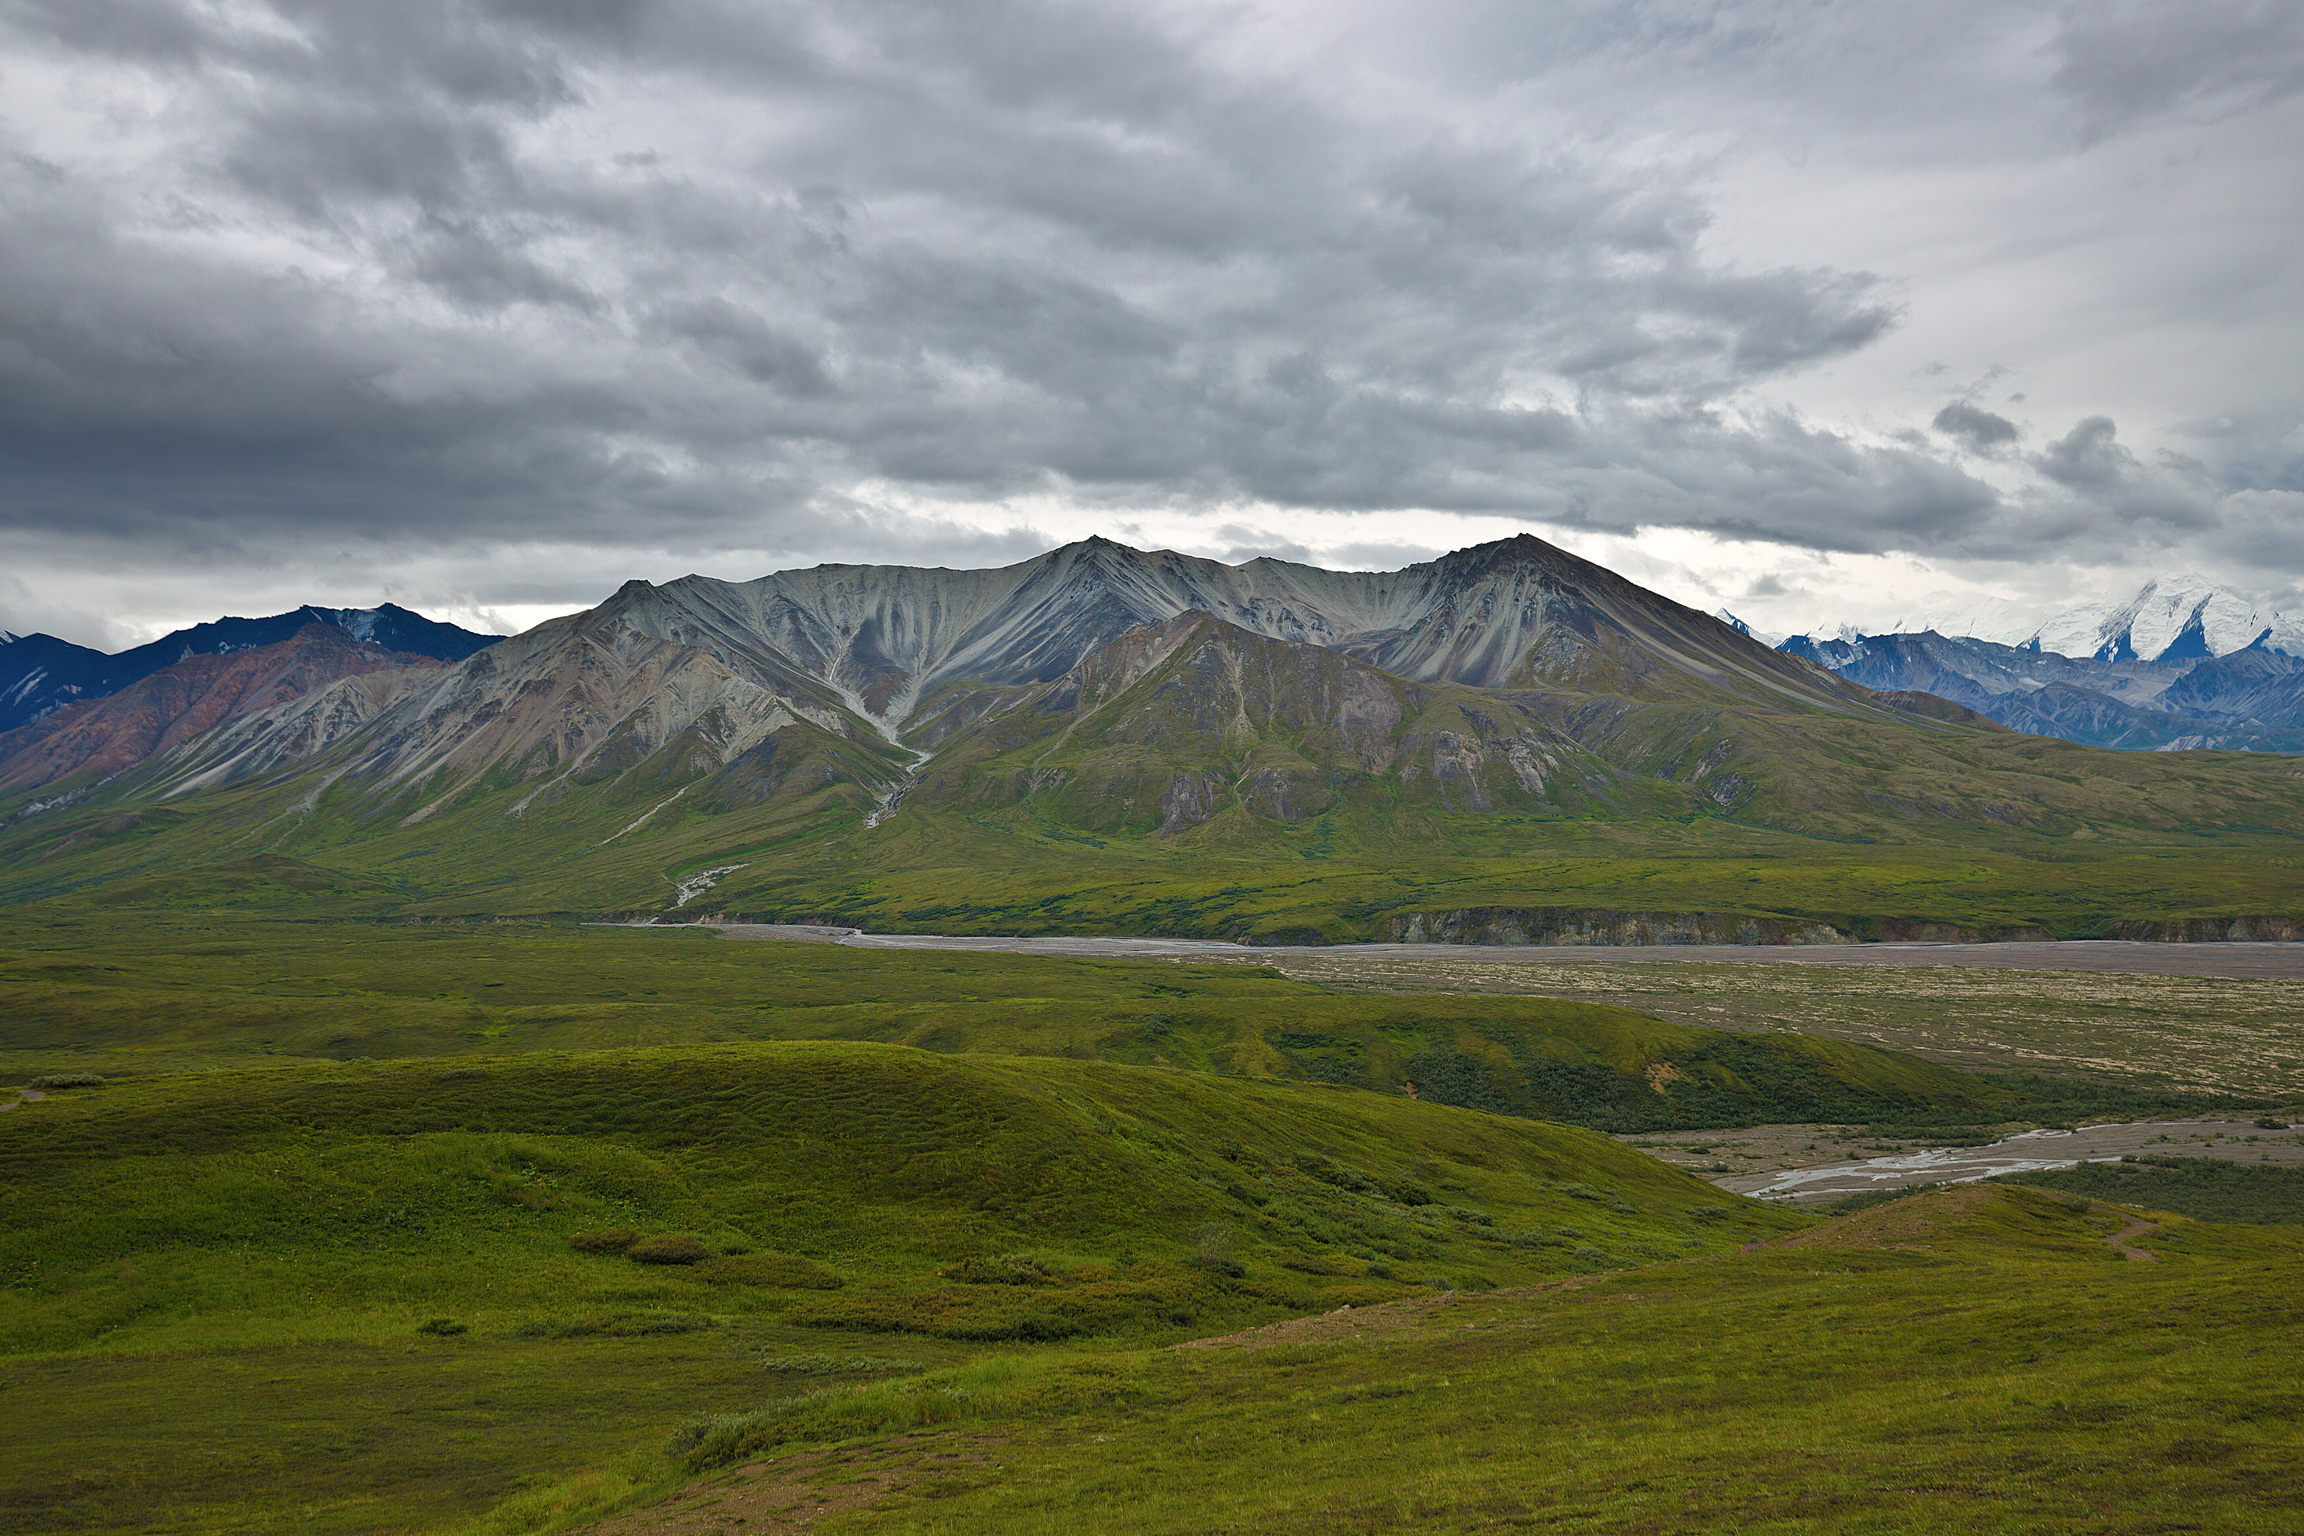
944	1292
1971	1361
428	1282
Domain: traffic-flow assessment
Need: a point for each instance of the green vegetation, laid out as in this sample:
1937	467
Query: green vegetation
418	1264
2206	1189
1967	1361
115	997
622	1209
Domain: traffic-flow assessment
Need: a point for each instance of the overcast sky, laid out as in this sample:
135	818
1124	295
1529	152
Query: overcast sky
483	306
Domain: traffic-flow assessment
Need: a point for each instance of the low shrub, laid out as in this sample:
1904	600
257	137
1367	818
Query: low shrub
1214	1243
1008	1269
67	1080
1322	1264
1028	1328
668	1248
619	1326
1531	1239
833	1365
609	1240
777	1269
1608	1198
442	1327
1467	1215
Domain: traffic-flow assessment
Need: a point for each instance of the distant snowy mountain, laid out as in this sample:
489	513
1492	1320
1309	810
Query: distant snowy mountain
2174	618
1961	616
1763	636
2170	618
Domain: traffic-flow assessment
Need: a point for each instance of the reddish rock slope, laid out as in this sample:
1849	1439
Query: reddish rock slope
178	702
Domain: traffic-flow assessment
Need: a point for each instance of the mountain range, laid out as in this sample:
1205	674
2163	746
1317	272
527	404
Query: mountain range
1505	742
40	673
2175	618
2245	700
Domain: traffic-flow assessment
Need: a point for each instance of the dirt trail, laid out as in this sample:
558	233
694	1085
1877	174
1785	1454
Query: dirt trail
2137	1227
1347	1325
23	1096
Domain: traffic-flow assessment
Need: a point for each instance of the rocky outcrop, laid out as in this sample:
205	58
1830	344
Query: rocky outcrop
1582	926
2213	930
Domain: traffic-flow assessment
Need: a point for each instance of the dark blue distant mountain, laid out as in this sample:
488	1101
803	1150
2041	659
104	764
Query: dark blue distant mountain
39	673
2250	700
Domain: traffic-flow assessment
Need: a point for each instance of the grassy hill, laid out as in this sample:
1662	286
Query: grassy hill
624	1209
942	1292
1972	1361
375	1295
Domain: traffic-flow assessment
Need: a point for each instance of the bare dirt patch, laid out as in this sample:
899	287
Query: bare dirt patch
2137	1227
1356	1325
793	1493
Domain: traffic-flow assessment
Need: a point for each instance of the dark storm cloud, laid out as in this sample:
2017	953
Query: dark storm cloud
2111	482
2123	61
1974	428
706	274
974	249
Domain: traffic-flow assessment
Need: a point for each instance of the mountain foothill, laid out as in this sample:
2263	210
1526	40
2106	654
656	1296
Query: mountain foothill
1506	741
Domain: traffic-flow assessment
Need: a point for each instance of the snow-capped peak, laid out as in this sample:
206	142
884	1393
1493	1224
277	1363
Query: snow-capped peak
1742	628
2178	617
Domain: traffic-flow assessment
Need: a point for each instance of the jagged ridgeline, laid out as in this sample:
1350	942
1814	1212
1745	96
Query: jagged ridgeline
1506	743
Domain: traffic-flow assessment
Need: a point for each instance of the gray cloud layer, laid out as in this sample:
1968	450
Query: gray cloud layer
686	274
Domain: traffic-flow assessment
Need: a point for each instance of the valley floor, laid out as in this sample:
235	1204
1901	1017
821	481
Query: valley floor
346	1228
2239	961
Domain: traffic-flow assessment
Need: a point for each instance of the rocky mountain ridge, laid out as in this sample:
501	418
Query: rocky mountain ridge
882	665
173	705
1117	740
40	673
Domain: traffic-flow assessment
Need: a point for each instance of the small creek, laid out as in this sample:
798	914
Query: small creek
2028	1152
